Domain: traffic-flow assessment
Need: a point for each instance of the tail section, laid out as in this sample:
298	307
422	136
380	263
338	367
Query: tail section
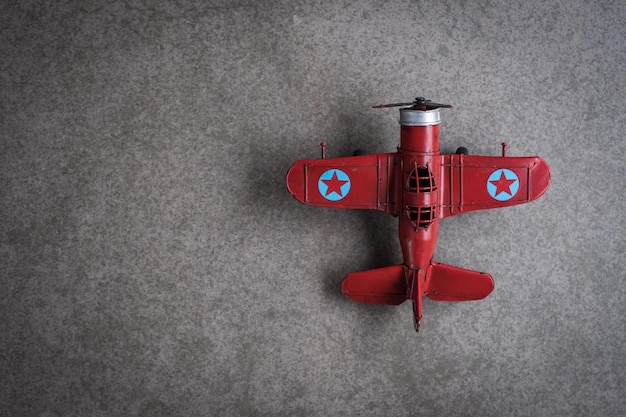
393	285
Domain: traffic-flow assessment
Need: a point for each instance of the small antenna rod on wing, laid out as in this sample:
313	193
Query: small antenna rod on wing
323	145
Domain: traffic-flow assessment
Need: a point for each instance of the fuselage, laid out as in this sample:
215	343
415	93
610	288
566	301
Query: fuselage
420	163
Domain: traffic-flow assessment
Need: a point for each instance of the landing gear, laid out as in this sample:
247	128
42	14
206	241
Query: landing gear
462	151
358	152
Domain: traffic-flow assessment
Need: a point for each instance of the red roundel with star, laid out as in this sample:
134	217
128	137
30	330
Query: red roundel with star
334	184
502	184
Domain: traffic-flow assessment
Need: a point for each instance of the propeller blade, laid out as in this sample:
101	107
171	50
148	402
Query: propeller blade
418	103
382	106
432	105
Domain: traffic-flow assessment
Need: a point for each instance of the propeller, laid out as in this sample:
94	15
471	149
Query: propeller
420	103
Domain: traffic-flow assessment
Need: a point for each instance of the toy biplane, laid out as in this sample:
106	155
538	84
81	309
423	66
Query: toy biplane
420	186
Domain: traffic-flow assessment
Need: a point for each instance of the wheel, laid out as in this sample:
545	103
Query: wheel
358	152
462	151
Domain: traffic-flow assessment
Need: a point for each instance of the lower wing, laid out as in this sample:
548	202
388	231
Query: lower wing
357	182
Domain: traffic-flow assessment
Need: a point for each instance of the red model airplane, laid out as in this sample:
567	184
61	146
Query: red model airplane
420	186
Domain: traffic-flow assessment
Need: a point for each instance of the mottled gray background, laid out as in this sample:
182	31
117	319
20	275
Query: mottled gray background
152	262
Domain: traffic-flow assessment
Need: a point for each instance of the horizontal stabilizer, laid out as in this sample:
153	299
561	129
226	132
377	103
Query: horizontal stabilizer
376	286
449	283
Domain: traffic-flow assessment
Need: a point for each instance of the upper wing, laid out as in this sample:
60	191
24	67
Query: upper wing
482	182
356	182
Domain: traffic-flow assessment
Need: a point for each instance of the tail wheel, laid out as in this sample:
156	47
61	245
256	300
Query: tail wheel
462	150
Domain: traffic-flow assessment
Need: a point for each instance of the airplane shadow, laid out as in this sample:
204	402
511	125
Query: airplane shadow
378	232
374	231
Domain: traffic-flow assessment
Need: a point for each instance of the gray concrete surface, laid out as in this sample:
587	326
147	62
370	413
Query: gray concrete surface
152	262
